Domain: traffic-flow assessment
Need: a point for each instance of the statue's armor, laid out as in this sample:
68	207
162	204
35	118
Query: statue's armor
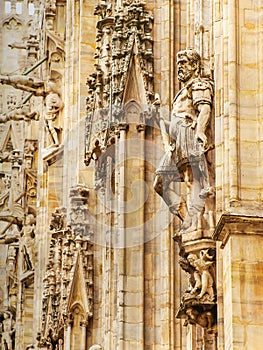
184	146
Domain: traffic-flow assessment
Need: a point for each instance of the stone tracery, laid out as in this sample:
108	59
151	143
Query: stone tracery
70	248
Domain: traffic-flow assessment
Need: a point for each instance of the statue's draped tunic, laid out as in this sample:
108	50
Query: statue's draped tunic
184	148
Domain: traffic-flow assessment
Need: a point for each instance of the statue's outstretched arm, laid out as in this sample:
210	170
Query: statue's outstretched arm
25	83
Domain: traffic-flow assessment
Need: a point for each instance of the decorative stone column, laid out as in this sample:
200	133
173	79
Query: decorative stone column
67	334
242	255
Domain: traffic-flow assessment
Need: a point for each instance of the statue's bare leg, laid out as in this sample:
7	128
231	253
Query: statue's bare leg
195	204
165	188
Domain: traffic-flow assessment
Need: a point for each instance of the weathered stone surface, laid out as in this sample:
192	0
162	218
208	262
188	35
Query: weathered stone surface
87	256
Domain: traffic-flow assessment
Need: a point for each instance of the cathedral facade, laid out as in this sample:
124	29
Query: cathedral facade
131	142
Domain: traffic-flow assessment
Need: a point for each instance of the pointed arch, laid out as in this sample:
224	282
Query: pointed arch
77	336
133	111
9	141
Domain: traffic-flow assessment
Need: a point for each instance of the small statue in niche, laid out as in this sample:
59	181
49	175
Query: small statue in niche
185	159
54	105
28	239
7	331
5	195
11	210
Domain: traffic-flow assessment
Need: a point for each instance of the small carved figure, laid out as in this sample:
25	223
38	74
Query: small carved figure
10	210
11	259
58	219
104	9
7	331
28	234
203	278
59	345
51	5
54	104
5	195
192	258
185	159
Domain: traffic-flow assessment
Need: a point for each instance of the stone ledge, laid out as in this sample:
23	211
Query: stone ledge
229	224
198	244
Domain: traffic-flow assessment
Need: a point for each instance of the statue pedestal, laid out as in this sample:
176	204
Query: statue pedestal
195	246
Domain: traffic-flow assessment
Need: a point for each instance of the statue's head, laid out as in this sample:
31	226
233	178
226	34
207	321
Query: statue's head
30	219
53	103
189	64
191	258
96	347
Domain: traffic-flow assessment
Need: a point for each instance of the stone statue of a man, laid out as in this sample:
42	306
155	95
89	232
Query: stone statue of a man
185	159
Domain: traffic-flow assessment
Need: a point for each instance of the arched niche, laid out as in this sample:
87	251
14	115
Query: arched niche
132	111
78	327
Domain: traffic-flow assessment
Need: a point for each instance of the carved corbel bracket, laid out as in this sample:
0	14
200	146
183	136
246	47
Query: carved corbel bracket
204	315
198	303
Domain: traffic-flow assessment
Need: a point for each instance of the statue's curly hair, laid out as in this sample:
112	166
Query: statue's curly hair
192	55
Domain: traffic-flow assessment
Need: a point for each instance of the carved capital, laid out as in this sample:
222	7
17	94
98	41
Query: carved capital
231	224
122	127
141	127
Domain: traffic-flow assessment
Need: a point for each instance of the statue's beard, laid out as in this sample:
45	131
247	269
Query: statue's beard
184	76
